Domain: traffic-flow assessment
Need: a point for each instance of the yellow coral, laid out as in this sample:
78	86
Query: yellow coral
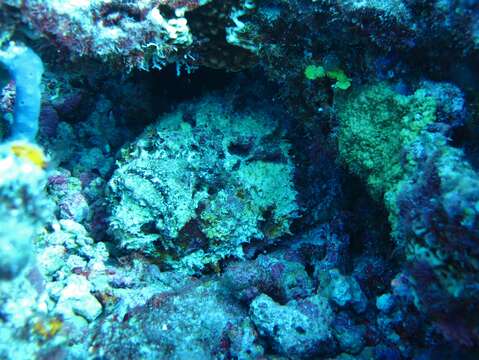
49	328
29	152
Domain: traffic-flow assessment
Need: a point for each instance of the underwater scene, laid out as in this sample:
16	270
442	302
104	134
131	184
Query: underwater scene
239	179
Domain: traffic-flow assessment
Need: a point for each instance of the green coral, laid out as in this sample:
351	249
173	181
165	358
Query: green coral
375	124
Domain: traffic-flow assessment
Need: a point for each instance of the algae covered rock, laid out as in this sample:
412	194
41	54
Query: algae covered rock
343	291
148	34
281	279
375	125
193	321
435	218
300	329
201	182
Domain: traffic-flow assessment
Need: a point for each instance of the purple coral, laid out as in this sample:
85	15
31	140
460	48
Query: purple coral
437	222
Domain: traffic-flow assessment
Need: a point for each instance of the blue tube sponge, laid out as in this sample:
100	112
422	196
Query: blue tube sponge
26	69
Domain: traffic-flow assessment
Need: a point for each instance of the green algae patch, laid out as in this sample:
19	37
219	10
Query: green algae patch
313	72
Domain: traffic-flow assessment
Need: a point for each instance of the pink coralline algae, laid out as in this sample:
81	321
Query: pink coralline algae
134	35
182	4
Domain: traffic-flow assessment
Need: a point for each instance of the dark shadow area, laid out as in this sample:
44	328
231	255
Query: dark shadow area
143	96
368	224
465	138
170	88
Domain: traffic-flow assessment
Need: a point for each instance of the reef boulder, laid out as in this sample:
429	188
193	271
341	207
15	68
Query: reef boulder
201	182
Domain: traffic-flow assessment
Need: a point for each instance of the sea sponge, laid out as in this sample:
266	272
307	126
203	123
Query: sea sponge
26	69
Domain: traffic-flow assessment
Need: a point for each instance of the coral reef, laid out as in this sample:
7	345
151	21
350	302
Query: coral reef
430	191
239	179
